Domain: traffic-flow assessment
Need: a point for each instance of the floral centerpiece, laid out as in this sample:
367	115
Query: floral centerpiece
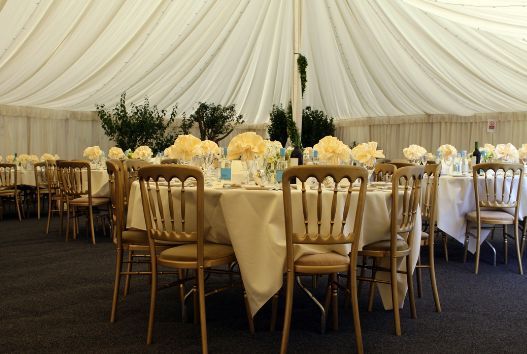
414	153
332	151
10	158
116	153
487	152
1	158
93	153
49	157
184	148
507	152
142	153
522	153
270	157
246	146
367	154
33	159
24	160
447	152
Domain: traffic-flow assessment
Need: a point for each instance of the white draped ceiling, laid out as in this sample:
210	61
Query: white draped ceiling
365	58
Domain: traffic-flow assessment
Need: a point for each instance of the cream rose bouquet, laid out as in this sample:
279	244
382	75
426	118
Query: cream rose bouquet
331	150
142	153
207	148
246	146
184	148
33	159
10	158
116	153
507	152
414	152
49	157
23	160
447	151
367	153
93	153
522	153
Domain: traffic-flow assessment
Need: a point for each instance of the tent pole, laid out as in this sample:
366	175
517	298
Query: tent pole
296	97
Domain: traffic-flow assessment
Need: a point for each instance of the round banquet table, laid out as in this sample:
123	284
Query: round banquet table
252	221
456	198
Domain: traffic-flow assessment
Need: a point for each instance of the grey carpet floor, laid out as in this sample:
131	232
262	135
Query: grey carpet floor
55	297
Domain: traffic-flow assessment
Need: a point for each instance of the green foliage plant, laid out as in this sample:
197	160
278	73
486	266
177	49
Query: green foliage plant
215	122
140	125
315	125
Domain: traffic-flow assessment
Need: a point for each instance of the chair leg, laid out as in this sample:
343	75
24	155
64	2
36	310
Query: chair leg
505	245
202	313
17	203
250	318
395	295
128	276
419	278
410	281
523	236
50	201
335	301
61	213
68	222
181	294
518	253
38	204
355	306
117	281
445	244
373	286
153	297
478	248
432	270
92	231
274	311
288	310
465	251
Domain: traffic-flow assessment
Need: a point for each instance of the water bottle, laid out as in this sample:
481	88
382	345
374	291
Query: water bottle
225	167
315	157
281	166
464	163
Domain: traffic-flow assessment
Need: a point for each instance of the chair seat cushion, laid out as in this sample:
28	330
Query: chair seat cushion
491	217
384	245
424	235
136	237
188	252
85	201
323	259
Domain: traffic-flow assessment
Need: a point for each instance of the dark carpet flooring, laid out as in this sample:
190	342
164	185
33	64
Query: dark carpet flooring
56	296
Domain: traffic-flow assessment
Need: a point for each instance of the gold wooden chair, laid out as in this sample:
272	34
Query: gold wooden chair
75	177
383	172
168	221
41	184
124	240
496	193
9	187
55	197
131	169
428	215
400	164
169	161
333	231
408	179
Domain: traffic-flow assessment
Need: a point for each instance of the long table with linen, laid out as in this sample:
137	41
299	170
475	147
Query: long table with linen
456	198
252	221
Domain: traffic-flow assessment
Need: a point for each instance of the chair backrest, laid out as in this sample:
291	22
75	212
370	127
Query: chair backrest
169	161
8	176
52	175
41	178
500	186
327	223
75	178
383	172
168	203
400	164
406	196
116	180
131	169
429	193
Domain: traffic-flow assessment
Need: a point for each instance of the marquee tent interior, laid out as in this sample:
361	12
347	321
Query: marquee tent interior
397	72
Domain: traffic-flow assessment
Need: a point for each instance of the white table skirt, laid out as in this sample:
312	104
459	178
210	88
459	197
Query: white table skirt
253	223
455	199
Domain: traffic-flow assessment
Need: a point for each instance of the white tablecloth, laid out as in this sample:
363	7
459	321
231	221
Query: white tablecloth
455	199
252	221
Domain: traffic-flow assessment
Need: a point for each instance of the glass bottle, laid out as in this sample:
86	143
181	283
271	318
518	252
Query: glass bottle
225	167
281	166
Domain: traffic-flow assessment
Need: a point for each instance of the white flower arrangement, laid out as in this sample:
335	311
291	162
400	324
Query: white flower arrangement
116	153
522	152
331	150
507	152
93	153
49	157
367	153
206	147
23	159
414	152
184	148
142	153
10	158
33	159
447	151
246	146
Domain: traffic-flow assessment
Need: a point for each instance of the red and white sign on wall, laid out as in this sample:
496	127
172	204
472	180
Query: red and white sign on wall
491	126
